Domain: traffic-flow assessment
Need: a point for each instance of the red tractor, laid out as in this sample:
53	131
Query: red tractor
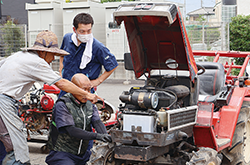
187	112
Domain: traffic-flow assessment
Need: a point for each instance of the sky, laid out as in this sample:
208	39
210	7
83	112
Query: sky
192	5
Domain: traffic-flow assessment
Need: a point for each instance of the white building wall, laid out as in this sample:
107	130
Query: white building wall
116	39
45	16
69	12
97	11
243	7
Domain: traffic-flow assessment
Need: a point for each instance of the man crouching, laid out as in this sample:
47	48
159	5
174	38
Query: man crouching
71	131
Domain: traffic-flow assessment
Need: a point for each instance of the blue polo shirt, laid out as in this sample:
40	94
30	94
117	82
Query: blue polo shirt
101	56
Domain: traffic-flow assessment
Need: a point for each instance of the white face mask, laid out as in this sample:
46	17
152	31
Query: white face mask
84	37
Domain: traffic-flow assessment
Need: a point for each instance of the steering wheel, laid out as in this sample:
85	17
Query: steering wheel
200	68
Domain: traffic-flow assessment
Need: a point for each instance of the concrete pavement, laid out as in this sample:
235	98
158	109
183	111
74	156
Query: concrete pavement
36	156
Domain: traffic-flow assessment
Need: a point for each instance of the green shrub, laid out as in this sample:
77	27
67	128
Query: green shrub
13	38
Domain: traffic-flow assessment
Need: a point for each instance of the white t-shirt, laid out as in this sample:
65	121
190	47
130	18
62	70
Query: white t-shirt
19	72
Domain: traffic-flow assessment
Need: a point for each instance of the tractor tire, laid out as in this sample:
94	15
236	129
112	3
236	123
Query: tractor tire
239	153
205	156
102	154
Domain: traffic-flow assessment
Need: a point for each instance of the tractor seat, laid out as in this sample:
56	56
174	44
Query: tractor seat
212	81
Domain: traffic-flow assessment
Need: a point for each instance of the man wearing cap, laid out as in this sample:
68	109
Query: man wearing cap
18	73
70	130
87	54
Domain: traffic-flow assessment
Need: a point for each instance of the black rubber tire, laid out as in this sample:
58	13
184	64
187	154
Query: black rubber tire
205	156
239	153
45	149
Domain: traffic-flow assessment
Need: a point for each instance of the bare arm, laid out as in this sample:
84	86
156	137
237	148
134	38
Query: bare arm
102	78
69	87
61	65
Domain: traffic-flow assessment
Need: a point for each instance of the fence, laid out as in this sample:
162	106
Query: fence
13	37
208	36
202	36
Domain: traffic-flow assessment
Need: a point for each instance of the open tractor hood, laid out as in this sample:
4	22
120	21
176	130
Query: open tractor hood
156	36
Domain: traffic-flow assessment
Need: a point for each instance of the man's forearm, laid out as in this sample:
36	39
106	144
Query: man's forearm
69	87
79	133
61	65
106	74
99	127
102	78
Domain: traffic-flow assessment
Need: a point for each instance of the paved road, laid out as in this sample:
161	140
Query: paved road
110	90
36	157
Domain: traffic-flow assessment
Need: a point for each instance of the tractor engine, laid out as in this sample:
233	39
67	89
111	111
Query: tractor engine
47	102
146	107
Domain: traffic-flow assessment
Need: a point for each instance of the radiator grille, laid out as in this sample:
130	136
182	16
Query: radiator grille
182	117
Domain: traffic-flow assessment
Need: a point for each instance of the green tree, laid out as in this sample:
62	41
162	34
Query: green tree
239	37
201	19
13	38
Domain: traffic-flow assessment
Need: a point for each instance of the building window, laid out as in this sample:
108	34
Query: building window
228	11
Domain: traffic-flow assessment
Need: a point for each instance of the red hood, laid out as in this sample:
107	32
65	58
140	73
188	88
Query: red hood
155	34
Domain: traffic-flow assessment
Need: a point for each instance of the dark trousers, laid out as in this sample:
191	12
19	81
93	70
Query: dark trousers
2	152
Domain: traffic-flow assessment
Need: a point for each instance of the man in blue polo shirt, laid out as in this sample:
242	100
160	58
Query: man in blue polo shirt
87	54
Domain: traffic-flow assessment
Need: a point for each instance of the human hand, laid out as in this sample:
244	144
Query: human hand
104	137
93	97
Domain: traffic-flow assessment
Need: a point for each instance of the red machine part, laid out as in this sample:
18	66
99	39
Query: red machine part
47	102
216	129
51	89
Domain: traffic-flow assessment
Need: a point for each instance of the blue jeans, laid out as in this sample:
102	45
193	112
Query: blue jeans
2	152
11	160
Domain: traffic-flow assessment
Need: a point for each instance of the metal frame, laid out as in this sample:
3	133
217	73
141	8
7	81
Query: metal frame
224	119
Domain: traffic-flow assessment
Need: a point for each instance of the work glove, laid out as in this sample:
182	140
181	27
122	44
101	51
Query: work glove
104	137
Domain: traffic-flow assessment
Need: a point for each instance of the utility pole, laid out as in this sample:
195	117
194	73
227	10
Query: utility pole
1	10
184	12
201	3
